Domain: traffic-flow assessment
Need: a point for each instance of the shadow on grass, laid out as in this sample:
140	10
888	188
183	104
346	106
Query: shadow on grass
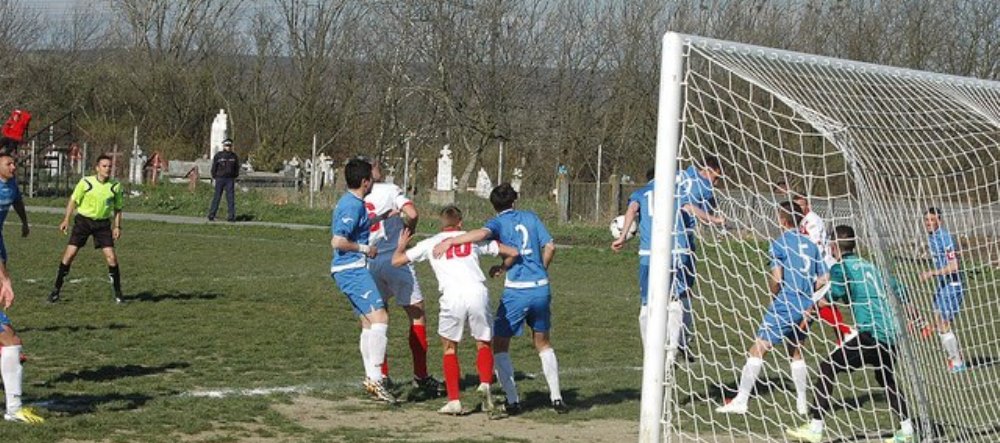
720	393
981	361
72	405
149	297
75	328
109	373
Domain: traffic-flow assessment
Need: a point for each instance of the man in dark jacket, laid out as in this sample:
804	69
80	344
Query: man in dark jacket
225	169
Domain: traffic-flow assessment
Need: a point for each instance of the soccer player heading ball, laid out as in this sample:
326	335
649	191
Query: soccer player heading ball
97	201
464	298
948	299
526	297
797	272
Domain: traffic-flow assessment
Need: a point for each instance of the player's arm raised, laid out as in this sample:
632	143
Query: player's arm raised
399	257
630	214
475	236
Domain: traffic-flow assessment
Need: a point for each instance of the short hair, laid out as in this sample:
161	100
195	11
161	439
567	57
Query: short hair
103	157
5	154
651	173
711	161
357	171
790	212
844	237
933	211
503	197
452	214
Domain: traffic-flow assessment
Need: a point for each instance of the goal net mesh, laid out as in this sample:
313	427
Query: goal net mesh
873	147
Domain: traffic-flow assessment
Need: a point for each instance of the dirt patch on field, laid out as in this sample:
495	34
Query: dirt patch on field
414	424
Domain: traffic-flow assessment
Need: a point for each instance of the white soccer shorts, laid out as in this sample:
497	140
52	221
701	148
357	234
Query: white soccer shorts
399	283
472	305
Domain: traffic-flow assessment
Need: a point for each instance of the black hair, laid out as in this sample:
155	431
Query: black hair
843	236
452	213
103	157
4	153
711	161
791	212
933	211
650	174
357	171
503	197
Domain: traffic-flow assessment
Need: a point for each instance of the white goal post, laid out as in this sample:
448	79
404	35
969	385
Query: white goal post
873	147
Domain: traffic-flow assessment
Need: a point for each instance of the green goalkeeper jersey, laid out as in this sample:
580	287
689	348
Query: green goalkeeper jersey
859	282
96	200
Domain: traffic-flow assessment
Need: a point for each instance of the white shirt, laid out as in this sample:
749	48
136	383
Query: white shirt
814	228
385	198
457	270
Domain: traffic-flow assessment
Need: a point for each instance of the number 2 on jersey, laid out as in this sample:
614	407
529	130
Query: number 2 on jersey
524	239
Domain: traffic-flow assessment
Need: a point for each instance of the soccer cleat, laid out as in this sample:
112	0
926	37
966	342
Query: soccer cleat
25	415
453	407
900	437
733	407
956	366
53	296
119	299
512	408
429	385
804	433
486	402
388	383
378	392
559	406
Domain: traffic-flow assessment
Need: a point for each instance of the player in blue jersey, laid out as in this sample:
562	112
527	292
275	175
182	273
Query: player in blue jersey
526	297
948	299
350	228
797	273
694	199
10	352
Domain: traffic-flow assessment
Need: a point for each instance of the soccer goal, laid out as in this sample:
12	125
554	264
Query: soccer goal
873	147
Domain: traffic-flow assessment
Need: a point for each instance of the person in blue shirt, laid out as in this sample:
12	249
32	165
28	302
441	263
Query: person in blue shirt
10	343
694	200
948	299
797	272
526	297
349	229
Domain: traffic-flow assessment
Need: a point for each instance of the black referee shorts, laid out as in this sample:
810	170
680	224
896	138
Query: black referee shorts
84	228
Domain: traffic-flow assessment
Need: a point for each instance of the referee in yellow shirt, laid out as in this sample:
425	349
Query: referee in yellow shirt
97	201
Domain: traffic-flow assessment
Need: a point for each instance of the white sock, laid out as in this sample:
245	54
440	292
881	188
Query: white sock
363	347
906	426
643	320
550	366
505	373
950	343
816	426
378	340
800	376
10	369
748	379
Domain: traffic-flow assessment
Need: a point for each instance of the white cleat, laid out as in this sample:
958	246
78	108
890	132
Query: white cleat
734	407
453	407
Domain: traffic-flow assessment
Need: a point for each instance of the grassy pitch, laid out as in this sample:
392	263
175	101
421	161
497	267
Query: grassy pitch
218	311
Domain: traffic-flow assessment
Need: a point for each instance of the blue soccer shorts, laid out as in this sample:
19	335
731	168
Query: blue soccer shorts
395	282
948	300
520	306
781	322
681	283
359	287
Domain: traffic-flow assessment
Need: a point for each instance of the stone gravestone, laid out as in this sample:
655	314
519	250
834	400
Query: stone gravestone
390	175
515	182
444	189
135	165
220	132
483	183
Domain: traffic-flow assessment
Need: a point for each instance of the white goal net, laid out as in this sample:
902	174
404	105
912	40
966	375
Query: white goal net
873	147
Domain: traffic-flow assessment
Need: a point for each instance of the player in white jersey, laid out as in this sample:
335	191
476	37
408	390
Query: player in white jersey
814	228
464	298
386	206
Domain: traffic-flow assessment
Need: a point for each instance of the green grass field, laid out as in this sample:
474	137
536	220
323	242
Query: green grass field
223	308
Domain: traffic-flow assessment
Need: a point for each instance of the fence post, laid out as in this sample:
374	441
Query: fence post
31	175
562	194
615	195
312	174
597	191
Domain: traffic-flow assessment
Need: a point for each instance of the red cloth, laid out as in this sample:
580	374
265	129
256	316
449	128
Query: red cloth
451	375
418	346
17	125
484	361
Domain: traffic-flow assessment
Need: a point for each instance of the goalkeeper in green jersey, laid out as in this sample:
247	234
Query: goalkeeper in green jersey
858	282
